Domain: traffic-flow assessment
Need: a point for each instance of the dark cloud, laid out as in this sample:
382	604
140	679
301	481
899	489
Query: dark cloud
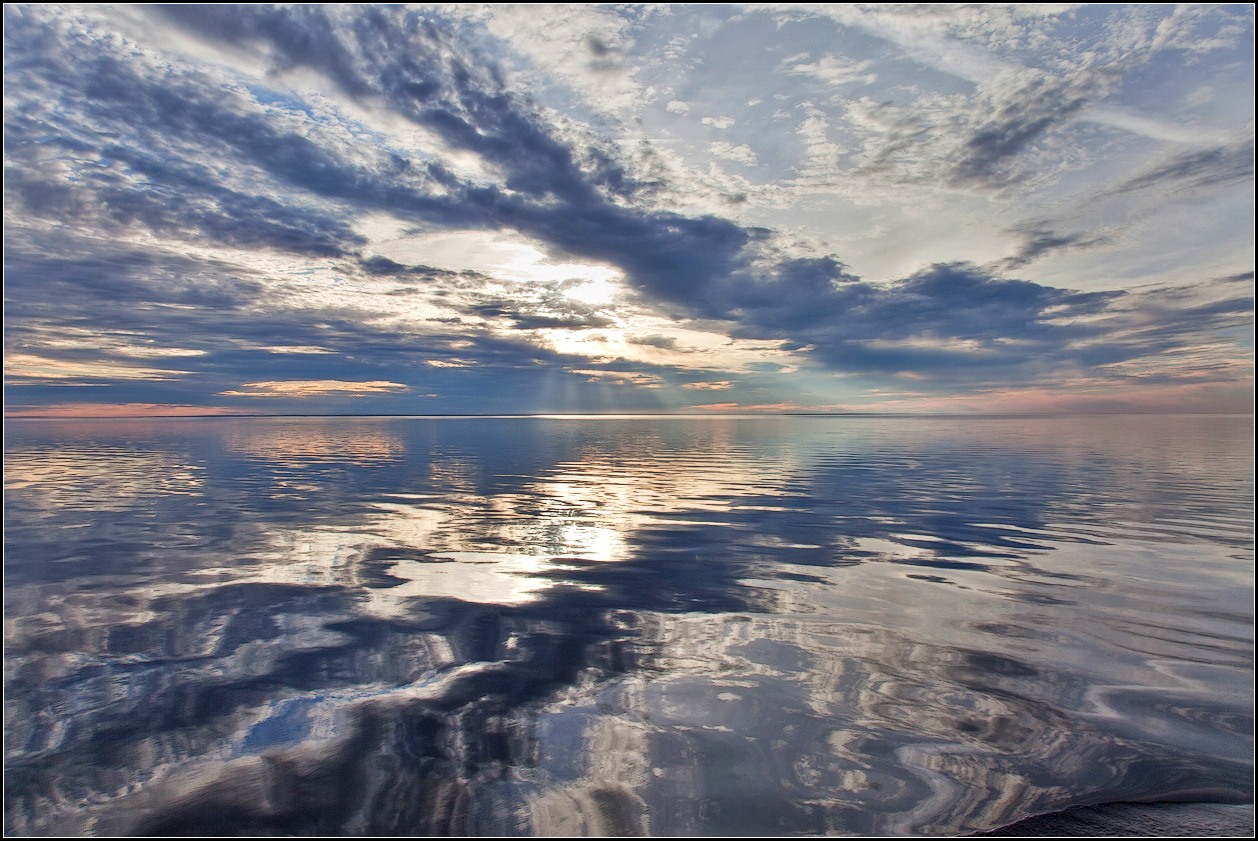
138	177
598	47
95	302
384	266
1161	320
165	152
549	192
570	317
1040	239
984	146
1215	166
663	342
423	73
954	322
52	275
1018	118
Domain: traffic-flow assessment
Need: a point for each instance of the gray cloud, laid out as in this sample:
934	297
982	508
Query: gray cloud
570	317
1040	239
662	342
954	321
1215	166
424	75
983	142
1017	118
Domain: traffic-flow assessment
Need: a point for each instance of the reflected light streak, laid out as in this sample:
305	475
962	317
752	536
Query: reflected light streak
298	443
500	548
116	479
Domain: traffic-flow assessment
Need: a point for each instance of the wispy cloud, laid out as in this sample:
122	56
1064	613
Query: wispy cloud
1214	166
314	388
1038	240
613	377
833	70
27	367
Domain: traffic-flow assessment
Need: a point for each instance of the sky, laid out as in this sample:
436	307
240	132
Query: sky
496	209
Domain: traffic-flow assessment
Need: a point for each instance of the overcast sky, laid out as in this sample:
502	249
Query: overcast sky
498	209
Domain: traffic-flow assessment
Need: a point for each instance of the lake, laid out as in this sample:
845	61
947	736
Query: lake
622	625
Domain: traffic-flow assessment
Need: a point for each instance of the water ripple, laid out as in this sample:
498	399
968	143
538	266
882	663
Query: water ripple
622	626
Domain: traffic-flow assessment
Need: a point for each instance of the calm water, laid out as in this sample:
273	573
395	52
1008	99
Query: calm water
610	626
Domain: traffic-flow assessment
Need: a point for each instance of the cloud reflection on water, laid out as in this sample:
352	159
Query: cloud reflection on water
669	626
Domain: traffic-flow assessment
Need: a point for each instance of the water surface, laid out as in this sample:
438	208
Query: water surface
606	626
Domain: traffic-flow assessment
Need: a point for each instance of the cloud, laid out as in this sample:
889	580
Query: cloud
46	272
702	264
757	408
833	70
1179	31
314	388
587	49
227	215
613	377
979	142
1018	116
1215	166
78	301
27	367
120	410
929	39
715	385
553	195
425	78
1019	126
955	326
524	315
1039	240
655	340
126	142
973	140
1156	129
305	350
738	153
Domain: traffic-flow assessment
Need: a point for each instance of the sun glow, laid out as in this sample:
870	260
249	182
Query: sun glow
595	292
502	255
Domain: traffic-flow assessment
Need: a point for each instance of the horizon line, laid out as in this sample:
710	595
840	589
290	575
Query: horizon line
593	415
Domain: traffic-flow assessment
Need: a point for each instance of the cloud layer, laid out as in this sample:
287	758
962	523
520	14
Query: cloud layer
396	210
